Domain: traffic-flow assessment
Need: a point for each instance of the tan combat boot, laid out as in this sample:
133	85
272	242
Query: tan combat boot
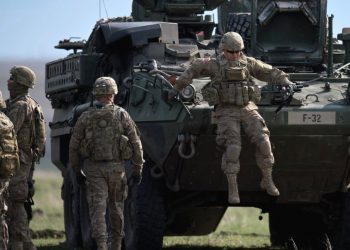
102	245
267	182
116	243
233	196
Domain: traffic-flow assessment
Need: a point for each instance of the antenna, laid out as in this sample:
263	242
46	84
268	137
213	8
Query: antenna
99	8
104	5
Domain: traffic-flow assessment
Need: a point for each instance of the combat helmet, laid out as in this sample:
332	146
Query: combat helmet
105	86
232	41
23	76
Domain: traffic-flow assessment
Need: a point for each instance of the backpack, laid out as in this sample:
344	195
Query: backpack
104	136
39	132
9	161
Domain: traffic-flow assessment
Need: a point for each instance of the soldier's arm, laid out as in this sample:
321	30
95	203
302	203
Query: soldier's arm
133	134
265	72
200	67
17	114
75	143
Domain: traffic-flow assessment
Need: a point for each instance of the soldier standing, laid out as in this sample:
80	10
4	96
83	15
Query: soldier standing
234	94
28	120
9	163
104	136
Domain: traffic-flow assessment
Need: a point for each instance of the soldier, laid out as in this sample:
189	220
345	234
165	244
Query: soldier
233	93
103	137
9	163
28	120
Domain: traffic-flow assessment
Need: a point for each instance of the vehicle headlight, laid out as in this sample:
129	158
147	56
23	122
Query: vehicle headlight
188	92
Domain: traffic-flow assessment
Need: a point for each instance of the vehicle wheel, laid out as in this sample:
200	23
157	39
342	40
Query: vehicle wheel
145	214
71	209
85	223
298	229
340	235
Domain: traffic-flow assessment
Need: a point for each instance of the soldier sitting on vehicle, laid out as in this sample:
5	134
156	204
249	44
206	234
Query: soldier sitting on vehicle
104	136
234	95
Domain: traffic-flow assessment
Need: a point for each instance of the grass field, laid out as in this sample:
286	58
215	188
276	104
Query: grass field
239	229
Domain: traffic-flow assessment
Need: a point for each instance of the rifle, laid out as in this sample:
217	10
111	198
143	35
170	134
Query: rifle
283	95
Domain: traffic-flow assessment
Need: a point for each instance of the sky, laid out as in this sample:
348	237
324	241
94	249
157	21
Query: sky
31	29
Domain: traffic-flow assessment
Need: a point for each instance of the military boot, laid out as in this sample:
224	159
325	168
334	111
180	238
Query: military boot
267	182
16	245
29	246
102	245
233	196
116	243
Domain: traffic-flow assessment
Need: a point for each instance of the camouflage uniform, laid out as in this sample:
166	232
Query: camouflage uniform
21	110
9	163
234	93
104	136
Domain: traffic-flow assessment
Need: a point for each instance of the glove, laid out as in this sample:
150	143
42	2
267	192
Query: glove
81	178
172	79
136	176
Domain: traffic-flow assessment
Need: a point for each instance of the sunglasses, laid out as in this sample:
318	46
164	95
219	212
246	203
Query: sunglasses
233	52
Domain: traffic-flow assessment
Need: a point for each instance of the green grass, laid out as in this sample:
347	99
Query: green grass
239	229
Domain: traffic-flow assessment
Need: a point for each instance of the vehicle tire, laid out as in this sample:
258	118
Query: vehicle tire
145	214
340	233
240	23
298	229
85	224
71	209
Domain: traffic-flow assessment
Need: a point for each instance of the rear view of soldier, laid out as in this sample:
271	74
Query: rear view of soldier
9	163
28	120
103	137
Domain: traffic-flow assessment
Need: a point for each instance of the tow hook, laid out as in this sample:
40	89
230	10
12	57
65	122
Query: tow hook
183	140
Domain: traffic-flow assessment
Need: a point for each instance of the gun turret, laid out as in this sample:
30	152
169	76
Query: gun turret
188	14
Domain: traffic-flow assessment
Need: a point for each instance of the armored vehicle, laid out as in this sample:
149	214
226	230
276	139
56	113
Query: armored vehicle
183	191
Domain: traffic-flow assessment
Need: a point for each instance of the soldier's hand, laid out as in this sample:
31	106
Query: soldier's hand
172	79
81	178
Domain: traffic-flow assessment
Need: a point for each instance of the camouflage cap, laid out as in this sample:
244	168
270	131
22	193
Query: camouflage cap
23	76
232	41
105	86
2	102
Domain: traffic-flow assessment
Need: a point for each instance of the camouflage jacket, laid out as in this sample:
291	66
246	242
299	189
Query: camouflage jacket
80	133
21	110
212	67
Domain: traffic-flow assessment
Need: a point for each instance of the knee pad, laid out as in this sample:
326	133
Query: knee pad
264	145
232	153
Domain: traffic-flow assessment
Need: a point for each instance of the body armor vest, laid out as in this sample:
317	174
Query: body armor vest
104	139
234	84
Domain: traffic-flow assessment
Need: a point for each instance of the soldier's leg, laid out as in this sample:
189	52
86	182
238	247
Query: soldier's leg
255	127
117	195
97	193
229	136
18	223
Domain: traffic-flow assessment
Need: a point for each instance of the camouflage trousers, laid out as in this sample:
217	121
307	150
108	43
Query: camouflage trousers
106	187
17	217
230	120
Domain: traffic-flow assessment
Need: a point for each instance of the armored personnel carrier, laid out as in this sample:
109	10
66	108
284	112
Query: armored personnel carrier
183	191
